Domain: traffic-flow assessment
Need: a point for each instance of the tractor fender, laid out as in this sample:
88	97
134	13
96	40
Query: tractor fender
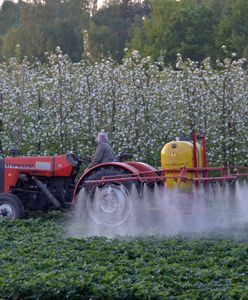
125	166
143	167
149	173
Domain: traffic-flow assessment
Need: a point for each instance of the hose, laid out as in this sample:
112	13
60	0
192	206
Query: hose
46	191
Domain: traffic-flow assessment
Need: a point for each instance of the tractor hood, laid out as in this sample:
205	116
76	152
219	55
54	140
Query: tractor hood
39	165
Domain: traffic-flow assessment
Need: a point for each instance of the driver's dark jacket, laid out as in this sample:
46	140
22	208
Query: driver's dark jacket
104	153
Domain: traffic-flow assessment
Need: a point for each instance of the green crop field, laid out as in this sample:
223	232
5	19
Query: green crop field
39	261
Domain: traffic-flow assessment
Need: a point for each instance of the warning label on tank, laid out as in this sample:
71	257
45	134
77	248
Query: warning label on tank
41	165
173	154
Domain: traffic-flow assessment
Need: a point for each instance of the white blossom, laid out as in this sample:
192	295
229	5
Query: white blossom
60	106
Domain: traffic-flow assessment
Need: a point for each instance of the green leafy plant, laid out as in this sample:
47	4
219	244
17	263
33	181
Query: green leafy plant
39	261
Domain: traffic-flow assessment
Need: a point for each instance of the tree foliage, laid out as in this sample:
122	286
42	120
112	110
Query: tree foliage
111	27
9	16
46	24
232	30
194	28
185	27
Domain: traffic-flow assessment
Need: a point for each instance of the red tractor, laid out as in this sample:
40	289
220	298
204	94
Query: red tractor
49	182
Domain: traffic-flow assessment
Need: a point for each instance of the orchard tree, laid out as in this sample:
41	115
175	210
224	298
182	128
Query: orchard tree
60	106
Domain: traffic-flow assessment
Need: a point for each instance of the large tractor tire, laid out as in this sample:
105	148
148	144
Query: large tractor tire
109	204
11	207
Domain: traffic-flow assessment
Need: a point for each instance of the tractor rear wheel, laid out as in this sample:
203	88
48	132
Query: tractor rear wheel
109	204
11	207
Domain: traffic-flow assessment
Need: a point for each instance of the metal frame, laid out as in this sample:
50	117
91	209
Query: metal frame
180	174
200	174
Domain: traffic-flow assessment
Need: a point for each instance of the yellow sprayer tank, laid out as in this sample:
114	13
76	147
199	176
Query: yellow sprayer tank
177	154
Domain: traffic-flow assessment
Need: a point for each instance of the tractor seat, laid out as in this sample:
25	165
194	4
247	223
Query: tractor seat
125	157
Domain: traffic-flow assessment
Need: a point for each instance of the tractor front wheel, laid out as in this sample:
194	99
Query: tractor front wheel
11	207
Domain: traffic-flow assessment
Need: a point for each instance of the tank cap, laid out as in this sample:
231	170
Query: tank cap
174	146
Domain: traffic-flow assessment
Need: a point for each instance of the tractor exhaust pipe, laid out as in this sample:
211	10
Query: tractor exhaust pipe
49	195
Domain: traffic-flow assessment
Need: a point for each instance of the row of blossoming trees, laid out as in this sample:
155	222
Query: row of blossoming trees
60	106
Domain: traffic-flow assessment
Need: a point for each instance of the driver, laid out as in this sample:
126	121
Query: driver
104	152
